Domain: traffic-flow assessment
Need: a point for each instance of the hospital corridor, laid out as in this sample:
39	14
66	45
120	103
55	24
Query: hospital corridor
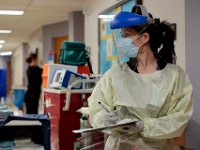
99	75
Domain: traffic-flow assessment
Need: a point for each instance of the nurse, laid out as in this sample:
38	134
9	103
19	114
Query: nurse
150	87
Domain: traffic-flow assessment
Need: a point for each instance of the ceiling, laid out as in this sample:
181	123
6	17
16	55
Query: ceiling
36	14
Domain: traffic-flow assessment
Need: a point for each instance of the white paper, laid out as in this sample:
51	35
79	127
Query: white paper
118	124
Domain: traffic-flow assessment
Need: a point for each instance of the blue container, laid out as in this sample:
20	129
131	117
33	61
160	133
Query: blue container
18	97
70	77
6	145
3	87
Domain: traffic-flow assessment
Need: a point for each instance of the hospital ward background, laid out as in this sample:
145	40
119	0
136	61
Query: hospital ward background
66	82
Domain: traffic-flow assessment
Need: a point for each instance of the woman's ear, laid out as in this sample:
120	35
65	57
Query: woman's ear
145	37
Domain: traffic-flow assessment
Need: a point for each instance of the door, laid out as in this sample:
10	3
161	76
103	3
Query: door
9	76
58	42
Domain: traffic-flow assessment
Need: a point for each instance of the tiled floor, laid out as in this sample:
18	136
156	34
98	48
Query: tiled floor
26	144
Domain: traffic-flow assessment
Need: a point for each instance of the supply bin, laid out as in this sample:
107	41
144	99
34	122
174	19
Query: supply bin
3	85
63	121
18	96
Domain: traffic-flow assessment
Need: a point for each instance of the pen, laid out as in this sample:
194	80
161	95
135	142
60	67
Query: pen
104	106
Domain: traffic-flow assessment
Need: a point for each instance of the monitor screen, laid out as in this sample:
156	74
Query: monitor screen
58	76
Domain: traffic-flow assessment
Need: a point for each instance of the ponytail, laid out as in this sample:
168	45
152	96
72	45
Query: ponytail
28	60
167	36
161	35
33	56
161	40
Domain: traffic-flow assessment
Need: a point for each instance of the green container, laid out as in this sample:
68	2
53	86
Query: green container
73	53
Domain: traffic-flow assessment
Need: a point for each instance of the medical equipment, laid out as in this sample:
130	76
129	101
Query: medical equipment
58	78
73	53
86	88
63	78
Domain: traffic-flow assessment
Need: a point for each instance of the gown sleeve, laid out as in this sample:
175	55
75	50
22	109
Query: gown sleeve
103	92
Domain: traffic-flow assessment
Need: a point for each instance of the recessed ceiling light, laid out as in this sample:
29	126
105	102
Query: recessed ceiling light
2	41
5	31
11	12
8	53
1	46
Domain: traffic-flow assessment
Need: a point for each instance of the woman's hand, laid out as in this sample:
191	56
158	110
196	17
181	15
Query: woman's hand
135	128
111	117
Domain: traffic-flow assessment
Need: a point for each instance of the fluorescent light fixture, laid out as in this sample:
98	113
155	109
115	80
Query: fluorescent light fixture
5	31
1	46
106	16
8	53
2	41
11	12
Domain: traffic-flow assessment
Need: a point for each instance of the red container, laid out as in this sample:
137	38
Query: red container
62	122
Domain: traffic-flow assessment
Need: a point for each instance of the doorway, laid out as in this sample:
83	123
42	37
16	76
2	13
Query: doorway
9	77
58	43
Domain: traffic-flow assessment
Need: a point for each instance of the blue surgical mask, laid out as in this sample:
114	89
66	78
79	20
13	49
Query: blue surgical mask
127	48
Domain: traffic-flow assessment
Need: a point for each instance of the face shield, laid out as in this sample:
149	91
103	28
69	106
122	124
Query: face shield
124	45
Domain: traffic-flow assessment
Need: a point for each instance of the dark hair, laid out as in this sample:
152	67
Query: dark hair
33	56
161	40
161	34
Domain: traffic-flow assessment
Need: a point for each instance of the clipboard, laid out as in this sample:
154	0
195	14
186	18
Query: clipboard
119	124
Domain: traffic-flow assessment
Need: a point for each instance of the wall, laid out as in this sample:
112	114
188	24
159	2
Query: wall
35	41
71	26
49	32
175	15
19	64
192	20
174	12
17	67
2	64
76	26
3	61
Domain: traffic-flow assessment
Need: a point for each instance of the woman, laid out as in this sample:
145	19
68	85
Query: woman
34	75
149	88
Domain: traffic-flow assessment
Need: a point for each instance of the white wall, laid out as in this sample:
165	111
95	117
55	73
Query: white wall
174	12
170	10
94	7
21	53
35	41
18	73
1	62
